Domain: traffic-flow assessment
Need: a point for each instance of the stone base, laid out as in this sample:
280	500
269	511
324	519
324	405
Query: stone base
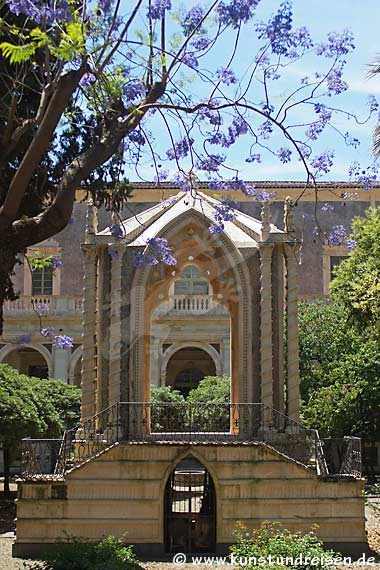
122	492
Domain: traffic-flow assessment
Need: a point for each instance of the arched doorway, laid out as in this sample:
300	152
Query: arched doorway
28	361
190	508
187	367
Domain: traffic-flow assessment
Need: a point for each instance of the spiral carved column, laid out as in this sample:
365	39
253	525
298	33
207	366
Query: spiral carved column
88	382
115	340
102	330
292	356
266	349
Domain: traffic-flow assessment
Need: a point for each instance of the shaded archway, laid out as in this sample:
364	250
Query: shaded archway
187	367
28	360
75	370
190	508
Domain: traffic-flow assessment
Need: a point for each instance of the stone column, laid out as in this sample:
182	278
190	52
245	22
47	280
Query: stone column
266	336
102	330
292	356
115	336
89	332
61	363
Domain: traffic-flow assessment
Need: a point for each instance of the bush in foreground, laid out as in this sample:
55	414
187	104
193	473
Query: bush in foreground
273	544
110	553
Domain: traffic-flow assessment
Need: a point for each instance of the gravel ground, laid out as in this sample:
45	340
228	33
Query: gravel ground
373	527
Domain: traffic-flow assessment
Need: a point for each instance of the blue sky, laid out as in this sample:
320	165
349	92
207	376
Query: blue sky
362	17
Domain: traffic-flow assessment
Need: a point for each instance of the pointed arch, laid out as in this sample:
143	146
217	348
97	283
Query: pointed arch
240	317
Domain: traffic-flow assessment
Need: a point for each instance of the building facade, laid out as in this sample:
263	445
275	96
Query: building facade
61	290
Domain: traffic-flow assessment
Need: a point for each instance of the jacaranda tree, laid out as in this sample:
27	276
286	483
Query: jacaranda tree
94	92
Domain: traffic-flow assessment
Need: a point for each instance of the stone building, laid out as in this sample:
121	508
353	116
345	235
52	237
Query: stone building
177	478
62	289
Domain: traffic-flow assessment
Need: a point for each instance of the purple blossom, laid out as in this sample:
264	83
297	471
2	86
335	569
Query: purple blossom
213	116
366	176
351	244
48	332
158	9
189	59
350	140
254	158
42	309
226	75
316	128
335	83
192	19
337	44
338	235
265	129
200	42
158	250
24	339
326	207
181	148
87	80
137	137
372	104
235	12
323	162
134	89
41	11
210	163
278	30
63	341
55	262
105	5
284	154
117	231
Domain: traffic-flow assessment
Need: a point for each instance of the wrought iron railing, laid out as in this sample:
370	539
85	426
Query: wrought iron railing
190	423
343	456
40	456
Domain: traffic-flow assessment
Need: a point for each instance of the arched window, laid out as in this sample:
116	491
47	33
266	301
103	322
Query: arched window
191	283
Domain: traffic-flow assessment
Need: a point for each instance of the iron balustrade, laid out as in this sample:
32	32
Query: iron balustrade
190	423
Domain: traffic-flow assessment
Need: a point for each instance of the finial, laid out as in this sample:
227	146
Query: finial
91	220
289	215
265	219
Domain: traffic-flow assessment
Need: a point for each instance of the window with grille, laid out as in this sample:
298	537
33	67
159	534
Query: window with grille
42	281
191	283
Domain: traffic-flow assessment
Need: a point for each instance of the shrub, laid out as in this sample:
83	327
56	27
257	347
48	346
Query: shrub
273	543
110	553
167	418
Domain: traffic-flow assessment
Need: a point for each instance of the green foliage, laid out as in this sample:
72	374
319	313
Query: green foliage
273	540
211	389
339	371
167	418
324	336
357	279
30	407
165	394
21	53
110	553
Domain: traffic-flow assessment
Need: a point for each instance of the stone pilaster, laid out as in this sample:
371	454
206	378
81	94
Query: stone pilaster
115	336
292	356
278	329
88	383
266	333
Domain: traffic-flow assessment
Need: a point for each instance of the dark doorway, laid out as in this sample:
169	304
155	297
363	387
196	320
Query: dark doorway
187	367
190	509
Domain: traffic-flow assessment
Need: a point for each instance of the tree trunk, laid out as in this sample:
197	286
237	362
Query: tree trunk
8	261
7	465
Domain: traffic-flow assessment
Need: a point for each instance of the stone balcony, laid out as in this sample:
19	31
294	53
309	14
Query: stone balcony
57	305
190	305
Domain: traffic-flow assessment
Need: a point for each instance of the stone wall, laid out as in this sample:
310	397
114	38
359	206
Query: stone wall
122	491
